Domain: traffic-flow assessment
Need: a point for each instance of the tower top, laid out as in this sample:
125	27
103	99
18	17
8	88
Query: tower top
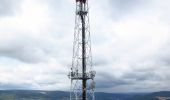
83	1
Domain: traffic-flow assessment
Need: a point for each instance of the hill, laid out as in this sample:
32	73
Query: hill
60	95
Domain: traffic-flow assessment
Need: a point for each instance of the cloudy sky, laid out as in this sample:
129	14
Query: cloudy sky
130	44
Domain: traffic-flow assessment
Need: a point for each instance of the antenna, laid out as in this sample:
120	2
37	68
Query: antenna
82	74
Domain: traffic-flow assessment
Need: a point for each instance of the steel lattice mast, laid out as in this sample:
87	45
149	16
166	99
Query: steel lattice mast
82	74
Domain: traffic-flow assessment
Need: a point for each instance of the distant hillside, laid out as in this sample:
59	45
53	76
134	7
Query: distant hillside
111	96
33	95
59	95
161	94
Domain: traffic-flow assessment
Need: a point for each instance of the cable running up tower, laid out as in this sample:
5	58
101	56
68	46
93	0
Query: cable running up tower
82	74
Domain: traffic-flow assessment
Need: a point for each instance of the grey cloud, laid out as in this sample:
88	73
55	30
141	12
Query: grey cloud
105	80
121	8
24	49
125	4
140	75
163	57
9	7
61	9
98	61
110	83
18	86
